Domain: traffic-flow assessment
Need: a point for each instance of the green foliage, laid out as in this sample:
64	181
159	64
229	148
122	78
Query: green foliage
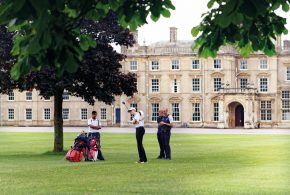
249	25
50	29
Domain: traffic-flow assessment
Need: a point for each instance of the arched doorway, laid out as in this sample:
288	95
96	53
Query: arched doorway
236	115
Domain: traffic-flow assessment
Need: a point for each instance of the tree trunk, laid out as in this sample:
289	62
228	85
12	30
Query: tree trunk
58	121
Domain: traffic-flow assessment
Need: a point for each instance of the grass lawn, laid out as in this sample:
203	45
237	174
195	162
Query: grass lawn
201	164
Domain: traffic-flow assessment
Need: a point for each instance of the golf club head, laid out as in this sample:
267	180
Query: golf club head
123	103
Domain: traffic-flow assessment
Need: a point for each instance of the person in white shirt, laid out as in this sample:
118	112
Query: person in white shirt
138	121
94	127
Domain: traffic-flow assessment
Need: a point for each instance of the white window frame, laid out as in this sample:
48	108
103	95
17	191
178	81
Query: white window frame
11	114
195	64
133	65
285	106
243	85
154	65
45	111
11	96
28	97
196	85
216	111
26	114
68	114
175	86
175	65
243	64
196	115
154	111
262	83
82	112
266	110
217	84
155	85
288	73
217	64
103	114
175	112
264	64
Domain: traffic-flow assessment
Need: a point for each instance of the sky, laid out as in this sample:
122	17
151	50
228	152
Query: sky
186	15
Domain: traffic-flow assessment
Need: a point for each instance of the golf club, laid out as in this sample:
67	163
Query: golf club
125	105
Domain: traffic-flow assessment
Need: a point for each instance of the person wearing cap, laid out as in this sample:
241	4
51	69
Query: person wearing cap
166	124
140	131
94	127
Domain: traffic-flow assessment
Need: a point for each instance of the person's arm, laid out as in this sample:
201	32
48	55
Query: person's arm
135	119
90	124
170	124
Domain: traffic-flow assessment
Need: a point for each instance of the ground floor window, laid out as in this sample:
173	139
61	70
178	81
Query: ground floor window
46	114
103	114
65	114
10	114
266	111
155	111
84	114
196	112
175	112
28	114
216	111
133	105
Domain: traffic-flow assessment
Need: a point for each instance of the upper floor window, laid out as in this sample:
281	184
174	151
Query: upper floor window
29	96
11	96
175	64
195	64
217	84
175	112
103	114
84	113
133	65
154	65
243	64
155	111
263	63
65	95
243	83
155	85
288	74
175	86
263	84
196	112
196	84
217	64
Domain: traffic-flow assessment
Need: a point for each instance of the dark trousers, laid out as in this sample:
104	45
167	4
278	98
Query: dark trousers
97	135
140	131
161	145
166	139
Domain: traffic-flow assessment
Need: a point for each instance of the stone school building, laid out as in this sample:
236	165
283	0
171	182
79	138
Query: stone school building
228	91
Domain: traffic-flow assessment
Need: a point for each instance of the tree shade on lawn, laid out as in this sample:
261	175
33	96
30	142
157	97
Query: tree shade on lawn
201	164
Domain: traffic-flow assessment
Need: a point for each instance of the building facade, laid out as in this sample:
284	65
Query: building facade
224	92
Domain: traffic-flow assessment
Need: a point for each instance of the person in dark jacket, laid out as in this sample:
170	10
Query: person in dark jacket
159	136
166	125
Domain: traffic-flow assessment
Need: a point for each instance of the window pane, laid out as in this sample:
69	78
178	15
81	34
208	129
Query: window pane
28	114
103	114
155	111
175	112
196	112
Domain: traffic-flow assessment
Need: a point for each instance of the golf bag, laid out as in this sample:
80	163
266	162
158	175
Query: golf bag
92	150
77	152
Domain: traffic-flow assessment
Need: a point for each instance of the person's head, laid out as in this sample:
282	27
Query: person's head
132	110
160	112
165	111
94	114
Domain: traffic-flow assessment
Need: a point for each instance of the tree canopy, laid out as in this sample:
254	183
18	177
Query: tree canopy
250	25
98	78
51	34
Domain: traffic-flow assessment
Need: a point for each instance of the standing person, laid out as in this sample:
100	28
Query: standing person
159	135
94	126
140	131
166	125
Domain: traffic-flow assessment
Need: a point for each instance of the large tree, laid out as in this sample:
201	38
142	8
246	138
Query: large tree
98	78
52	28
249	25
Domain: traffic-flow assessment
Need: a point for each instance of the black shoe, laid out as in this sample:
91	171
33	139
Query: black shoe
142	162
160	157
167	158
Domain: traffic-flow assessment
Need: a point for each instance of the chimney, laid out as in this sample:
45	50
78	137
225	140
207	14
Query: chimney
286	45
173	34
135	35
